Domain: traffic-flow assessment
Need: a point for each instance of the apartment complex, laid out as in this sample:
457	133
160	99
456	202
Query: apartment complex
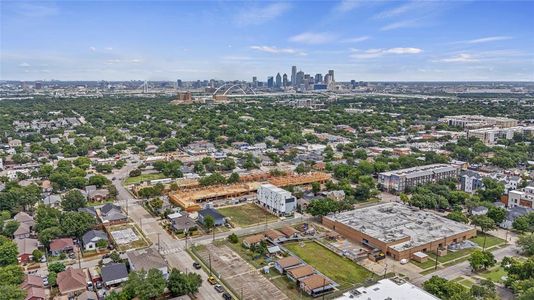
398	230
477	121
490	135
277	200
400	180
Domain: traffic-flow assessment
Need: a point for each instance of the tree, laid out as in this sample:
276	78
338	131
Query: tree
11	274
74	223
316	187
486	290
180	283
101	244
458	216
497	214
73	200
145	285
8	252
232	238
37	255
444	289
485	223
322	207
52	278
527	295
135	173
46	235
526	243
492	191
98	180
56	267
234	178
209	222
10	227
12	292
481	260
115	257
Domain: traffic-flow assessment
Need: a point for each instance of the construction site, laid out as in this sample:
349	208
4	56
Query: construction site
189	196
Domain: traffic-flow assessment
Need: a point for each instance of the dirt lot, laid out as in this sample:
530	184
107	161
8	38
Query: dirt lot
239	274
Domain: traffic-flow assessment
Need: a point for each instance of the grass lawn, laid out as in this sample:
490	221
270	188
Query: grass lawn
464	281
427	264
247	214
451	255
495	274
491	240
342	270
287	286
143	177
246	254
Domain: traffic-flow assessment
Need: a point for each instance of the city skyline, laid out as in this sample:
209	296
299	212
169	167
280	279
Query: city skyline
369	41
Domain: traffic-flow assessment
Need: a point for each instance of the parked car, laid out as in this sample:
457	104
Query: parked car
99	284
212	280
219	288
404	261
226	296
197	266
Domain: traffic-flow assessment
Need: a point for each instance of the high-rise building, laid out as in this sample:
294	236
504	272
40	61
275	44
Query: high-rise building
254	81
270	82
299	78
318	78
331	73
294	75
179	83
278	80
284	80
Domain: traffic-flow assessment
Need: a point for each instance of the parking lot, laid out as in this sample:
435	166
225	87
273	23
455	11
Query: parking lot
237	273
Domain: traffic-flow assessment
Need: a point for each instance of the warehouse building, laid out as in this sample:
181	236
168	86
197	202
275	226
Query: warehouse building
277	200
399	230
400	180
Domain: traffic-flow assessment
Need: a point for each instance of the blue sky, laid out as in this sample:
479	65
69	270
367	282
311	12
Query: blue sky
361	40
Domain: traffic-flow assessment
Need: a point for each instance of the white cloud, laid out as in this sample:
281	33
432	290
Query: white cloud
345	6
136	61
109	48
373	53
405	8
355	39
36	9
401	24
488	39
260	15
461	58
276	50
312	38
92	49
24	65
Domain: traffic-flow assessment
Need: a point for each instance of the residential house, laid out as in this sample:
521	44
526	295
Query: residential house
23	231
479	211
98	195
299	272
23	217
512	214
289	232
112	214
182	222
146	259
285	263
61	245
72	282
26	246
89	210
253	240
52	200
91	238
114	273
87	295
218	219
34	287
338	195
274	235
316	285
471	181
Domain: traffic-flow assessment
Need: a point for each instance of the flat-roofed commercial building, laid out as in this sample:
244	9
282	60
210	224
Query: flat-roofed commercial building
477	121
400	180
393	288
399	230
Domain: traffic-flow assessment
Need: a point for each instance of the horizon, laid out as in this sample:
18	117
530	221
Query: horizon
404	41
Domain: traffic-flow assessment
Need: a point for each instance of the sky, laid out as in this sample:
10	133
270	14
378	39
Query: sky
235	40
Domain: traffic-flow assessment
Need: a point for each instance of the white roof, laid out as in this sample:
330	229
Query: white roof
394	289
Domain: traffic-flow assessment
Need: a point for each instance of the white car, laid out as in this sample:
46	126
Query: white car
404	261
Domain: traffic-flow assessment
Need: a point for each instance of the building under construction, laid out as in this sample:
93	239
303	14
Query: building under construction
189	197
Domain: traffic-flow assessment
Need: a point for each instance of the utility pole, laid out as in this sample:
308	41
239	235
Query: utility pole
385	270
127	207
158	242
141	223
79	260
209	258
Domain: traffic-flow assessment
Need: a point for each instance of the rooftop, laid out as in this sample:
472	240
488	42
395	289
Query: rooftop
421	170
393	289
391	222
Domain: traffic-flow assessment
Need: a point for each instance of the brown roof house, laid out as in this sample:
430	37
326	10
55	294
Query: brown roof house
274	235
26	247
287	262
289	232
62	245
316	285
253	240
71	282
34	287
300	272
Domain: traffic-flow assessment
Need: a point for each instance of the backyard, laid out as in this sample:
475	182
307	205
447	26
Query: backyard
247	214
144	177
343	271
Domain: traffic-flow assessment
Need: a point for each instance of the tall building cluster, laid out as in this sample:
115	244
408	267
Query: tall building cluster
299	81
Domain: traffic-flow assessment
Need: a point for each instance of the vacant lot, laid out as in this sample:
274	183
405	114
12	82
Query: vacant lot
238	274
342	270
144	177
247	214
127	236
